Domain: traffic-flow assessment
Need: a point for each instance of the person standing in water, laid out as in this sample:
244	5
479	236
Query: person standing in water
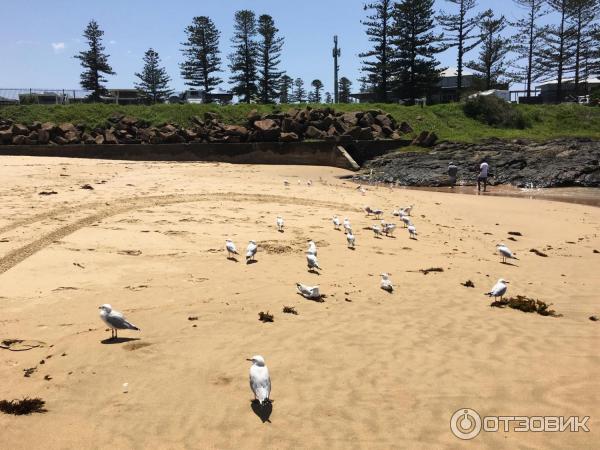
483	175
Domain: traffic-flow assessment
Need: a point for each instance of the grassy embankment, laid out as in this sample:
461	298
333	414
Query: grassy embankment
448	121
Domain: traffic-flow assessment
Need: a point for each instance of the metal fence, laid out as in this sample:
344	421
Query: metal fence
42	96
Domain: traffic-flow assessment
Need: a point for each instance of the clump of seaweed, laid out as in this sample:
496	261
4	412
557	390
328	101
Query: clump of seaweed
515	233
290	310
22	407
431	269
265	317
526	304
468	284
537	252
28	372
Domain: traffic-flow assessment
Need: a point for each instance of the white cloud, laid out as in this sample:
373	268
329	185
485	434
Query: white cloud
58	47
113	42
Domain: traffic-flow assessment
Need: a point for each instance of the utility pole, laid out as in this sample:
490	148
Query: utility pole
337	52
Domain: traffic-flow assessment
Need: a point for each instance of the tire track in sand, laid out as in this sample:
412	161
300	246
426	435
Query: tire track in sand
122	205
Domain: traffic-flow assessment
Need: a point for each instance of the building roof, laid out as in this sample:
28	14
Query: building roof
593	79
453	72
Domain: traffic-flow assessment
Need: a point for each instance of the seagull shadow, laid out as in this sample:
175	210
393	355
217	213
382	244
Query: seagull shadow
351	248
263	411
232	258
251	261
119	340
506	263
281	231
313	271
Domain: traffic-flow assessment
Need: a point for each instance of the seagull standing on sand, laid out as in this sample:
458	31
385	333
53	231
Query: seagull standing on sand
336	222
351	239
368	210
412	231
251	251
309	292
347	226
499	289
286	183
389	229
312	248
280	224
386	283
407	210
231	250
505	252
312	261
115	320
406	220
377	230
260	381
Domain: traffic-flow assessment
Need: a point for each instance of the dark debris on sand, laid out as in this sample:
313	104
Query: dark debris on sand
515	233
468	284
290	310
22	407
526	304
431	269
537	252
265	317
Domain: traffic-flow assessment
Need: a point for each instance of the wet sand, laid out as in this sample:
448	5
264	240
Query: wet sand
364	369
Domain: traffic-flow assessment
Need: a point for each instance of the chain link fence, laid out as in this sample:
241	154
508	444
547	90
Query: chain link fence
31	96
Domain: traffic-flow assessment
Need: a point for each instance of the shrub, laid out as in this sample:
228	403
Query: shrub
495	112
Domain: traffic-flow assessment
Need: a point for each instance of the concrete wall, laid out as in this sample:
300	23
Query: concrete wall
301	153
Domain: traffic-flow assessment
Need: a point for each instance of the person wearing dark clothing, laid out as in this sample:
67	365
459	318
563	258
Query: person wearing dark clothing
452	172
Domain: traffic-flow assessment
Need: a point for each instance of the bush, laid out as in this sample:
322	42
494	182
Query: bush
495	112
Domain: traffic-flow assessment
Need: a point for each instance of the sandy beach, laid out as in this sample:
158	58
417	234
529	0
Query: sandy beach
363	369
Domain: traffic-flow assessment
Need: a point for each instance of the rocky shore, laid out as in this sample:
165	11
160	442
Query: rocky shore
294	125
555	163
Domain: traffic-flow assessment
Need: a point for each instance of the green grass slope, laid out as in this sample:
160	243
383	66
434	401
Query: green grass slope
448	121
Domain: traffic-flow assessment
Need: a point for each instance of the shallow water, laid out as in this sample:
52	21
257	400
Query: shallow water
579	195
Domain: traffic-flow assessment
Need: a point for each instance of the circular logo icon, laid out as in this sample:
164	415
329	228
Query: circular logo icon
465	424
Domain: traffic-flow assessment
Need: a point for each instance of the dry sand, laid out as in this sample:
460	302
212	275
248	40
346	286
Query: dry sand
364	369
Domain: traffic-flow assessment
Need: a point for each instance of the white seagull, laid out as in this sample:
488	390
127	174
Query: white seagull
407	210
312	248
279	223
260	381
406	220
347	226
351	239
505	252
336	222
309	292
386	283
251	251
377	213
286	183
231	250
115	320
312	261
499	289
377	230
412	231
389	229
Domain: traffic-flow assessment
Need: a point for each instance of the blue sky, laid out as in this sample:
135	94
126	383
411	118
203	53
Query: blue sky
38	38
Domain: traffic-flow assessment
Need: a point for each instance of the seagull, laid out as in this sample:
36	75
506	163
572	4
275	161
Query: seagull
362	190
312	248
386	283
499	289
286	183
407	210
251	251
412	231
505	252
336	222
389	229
377	230
260	381
351	239
231	250
312	261
347	226
115	320
377	213
406	220
279	223
368	210
309	183
309	292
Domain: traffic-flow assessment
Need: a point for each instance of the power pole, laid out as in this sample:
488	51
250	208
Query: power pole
337	52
